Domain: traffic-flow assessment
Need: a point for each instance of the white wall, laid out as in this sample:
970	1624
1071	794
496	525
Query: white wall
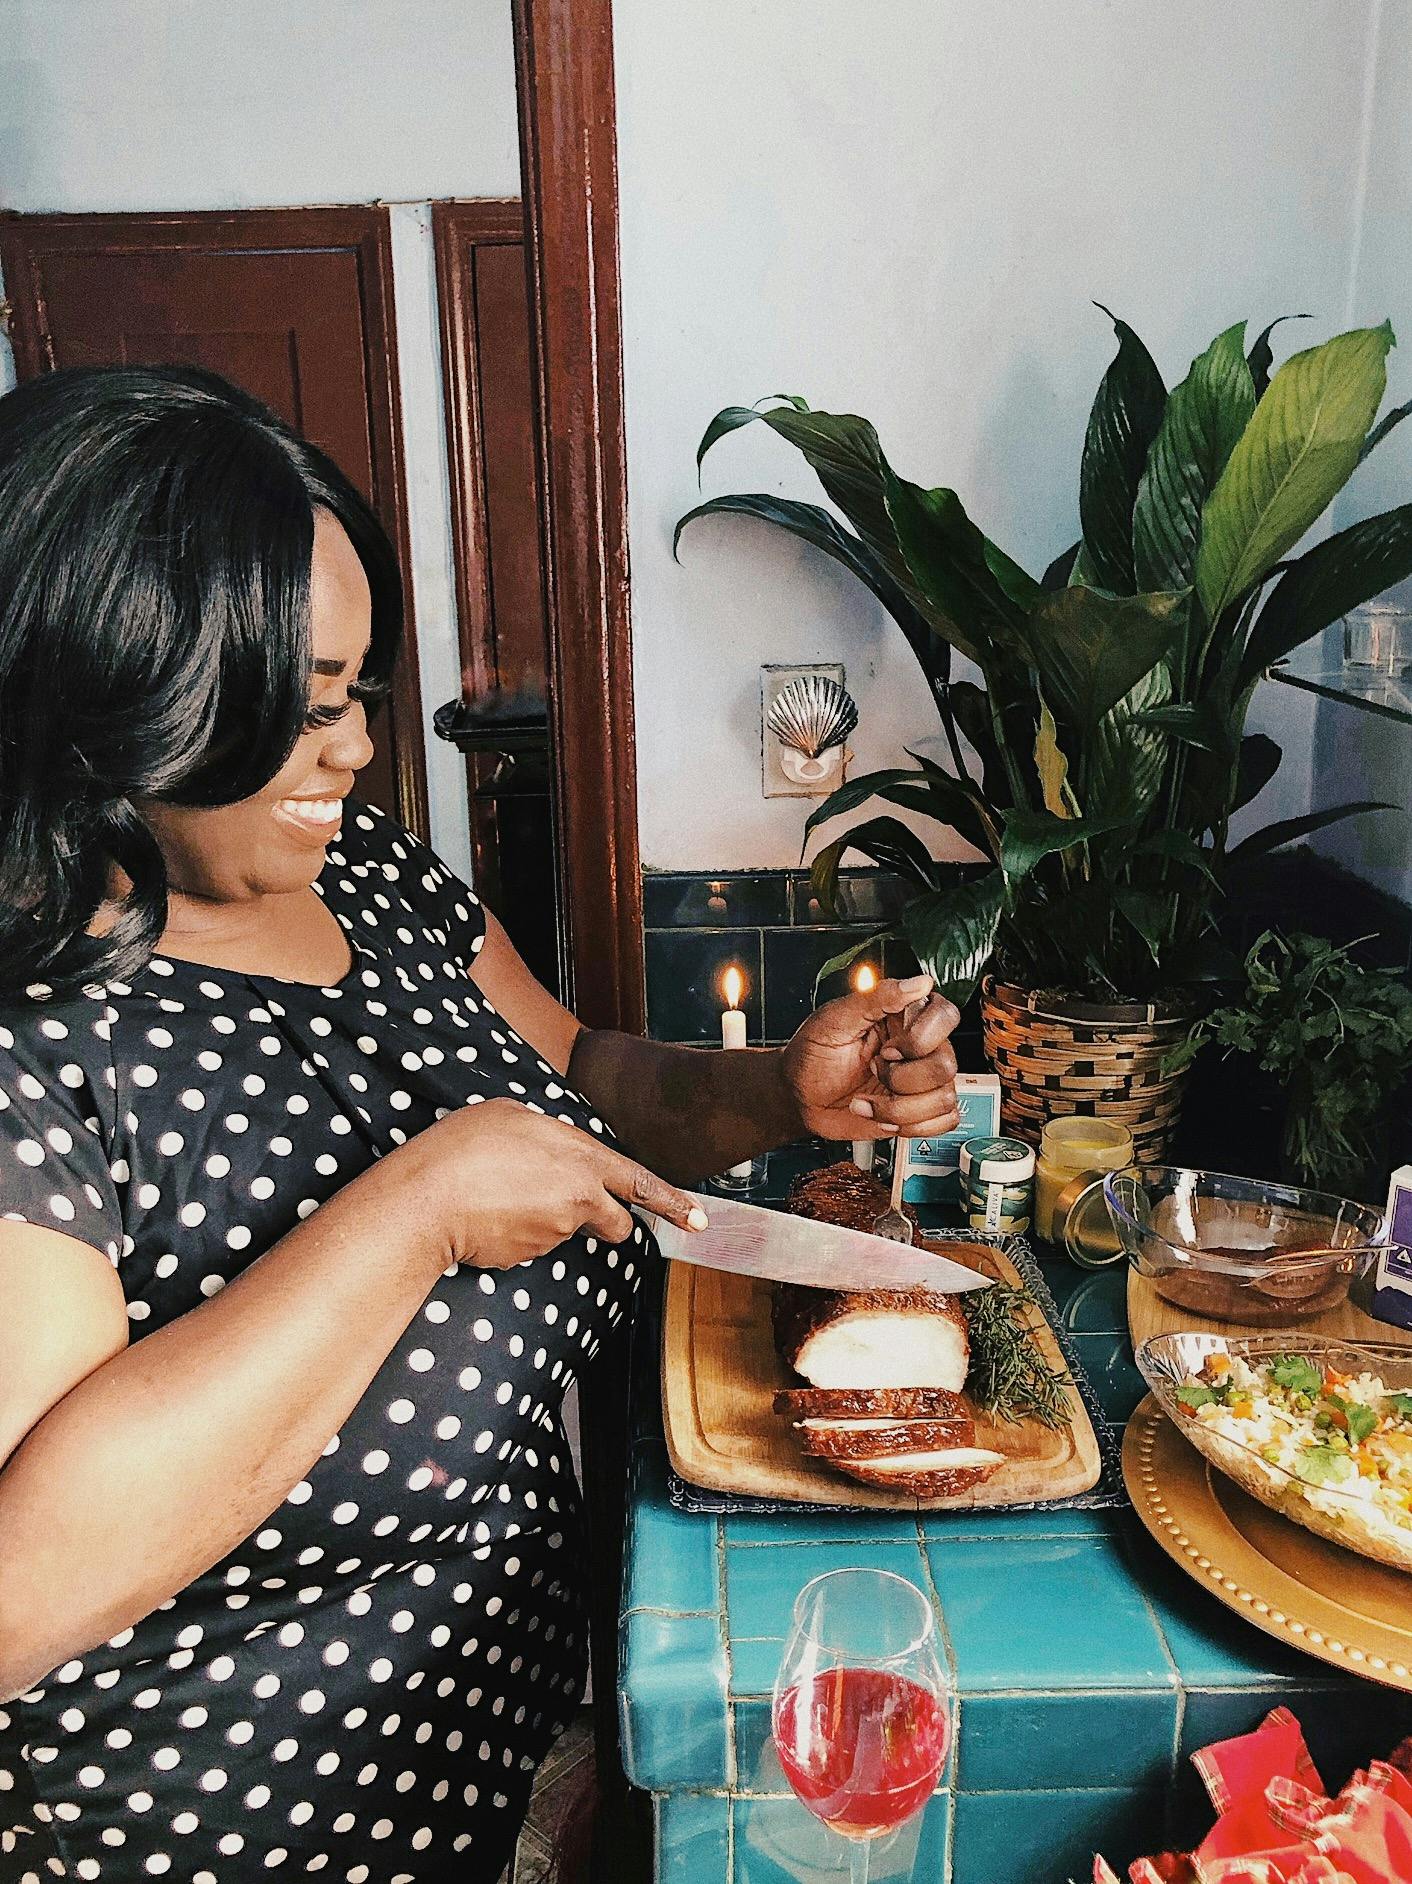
904	208
126	105
1359	755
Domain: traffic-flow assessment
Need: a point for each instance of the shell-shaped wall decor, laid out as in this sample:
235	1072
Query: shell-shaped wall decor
812	714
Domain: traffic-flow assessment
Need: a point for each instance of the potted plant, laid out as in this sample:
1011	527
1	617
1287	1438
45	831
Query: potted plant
1099	756
1334	1040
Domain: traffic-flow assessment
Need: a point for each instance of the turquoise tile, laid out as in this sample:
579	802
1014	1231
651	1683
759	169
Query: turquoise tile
1345	1724
761	1585
1107	1359
671	1556
821	1527
672	1701
1051	1613
954	1527
692	1838
1098	1304
754	1663
776	1841
1097	1738
1212	1646
1045	1837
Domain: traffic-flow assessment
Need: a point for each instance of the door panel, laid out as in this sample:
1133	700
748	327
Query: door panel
294	305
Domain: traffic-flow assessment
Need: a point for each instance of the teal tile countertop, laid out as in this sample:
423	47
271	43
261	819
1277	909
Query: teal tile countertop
1087	1668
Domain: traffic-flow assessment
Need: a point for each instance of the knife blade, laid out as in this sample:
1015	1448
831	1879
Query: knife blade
771	1244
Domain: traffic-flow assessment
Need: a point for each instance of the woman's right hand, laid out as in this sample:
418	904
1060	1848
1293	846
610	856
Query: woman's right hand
505	1184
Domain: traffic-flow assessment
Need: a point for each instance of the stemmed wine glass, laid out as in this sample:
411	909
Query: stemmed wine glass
862	1705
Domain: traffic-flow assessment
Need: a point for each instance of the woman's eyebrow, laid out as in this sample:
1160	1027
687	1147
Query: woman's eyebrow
334	668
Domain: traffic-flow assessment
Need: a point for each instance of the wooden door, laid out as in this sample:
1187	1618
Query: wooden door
501	722
293	304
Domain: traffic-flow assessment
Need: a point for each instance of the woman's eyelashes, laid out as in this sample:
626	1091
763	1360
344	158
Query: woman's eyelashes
364	692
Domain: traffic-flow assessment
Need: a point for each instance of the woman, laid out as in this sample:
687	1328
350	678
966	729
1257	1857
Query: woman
313	1202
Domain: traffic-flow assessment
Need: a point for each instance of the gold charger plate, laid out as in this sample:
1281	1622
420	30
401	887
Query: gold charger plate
1323	1599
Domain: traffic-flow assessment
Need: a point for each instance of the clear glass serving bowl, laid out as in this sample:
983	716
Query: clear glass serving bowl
1239	1249
1355	1514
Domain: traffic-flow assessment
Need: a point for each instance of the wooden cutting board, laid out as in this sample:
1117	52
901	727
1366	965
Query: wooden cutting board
1149	1314
720	1373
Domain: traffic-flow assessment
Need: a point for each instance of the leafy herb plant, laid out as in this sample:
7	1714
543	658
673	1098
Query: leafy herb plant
1099	758
1336	1035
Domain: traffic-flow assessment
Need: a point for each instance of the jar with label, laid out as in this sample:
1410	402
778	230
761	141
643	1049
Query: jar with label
997	1184
1070	1148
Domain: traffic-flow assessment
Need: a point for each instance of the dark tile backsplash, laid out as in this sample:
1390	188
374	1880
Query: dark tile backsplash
728	902
684	970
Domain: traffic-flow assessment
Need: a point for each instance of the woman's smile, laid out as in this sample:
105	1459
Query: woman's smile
313	820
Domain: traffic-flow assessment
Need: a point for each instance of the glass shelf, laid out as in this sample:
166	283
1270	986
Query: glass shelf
1319	668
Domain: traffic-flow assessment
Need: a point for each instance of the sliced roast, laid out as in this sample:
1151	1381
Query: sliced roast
877	1338
893	1403
881	1439
939	1474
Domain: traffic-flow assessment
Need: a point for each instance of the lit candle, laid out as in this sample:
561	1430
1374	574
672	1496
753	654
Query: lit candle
865	979
733	1033
733	1015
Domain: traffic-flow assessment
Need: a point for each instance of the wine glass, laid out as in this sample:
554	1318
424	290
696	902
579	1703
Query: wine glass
862	1705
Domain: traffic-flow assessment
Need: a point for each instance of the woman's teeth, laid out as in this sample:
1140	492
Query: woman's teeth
316	813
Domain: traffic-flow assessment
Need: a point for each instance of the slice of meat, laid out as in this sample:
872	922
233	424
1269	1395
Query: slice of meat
877	1338
941	1474
893	1403
841	1193
881	1439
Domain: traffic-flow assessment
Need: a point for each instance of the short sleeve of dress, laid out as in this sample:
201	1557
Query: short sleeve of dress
448	906
55	1122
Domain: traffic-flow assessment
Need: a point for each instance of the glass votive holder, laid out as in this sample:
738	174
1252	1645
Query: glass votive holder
1377	637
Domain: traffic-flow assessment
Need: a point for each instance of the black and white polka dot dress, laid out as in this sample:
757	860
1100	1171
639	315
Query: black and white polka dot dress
363	1687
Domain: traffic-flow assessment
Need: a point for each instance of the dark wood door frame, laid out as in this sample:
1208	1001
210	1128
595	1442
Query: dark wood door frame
568	145
363	231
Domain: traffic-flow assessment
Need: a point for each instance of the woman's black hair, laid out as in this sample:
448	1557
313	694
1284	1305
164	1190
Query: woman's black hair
156	534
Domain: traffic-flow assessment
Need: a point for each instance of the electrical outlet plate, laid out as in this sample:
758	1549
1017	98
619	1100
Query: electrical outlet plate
775	781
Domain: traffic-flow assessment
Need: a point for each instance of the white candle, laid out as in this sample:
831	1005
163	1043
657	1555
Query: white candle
865	979
733	1032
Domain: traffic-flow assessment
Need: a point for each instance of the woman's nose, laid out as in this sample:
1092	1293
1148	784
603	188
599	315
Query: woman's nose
349	748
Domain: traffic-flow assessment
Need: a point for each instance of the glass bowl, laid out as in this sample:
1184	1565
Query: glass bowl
1282	1458
1239	1249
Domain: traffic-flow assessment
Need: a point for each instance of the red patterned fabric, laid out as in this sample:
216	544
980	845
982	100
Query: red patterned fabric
1276	1824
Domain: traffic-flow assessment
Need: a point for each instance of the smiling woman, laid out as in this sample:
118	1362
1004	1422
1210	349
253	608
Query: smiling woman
290	1551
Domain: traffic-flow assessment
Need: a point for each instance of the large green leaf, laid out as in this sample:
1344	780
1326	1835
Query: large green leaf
1057	575
1326	582
1296	453
888	842
961	804
1387	423
1204	417
857	791
969	586
822	531
1178	847
1290	830
1124	760
846	958
843	452
1091	648
971	706
1122	424
1051	763
1148	913
1031	836
952	933
1262	354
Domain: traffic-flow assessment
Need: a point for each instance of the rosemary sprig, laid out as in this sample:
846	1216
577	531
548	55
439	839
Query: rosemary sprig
1008	1376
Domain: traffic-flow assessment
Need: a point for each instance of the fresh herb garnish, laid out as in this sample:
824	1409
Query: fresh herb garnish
1009	1377
1191	1394
1296	1373
1322	1465
1399	1403
1359	1420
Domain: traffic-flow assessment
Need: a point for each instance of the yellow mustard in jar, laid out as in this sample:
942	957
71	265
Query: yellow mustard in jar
1067	1147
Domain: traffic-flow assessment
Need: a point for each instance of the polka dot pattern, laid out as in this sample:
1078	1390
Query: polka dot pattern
363	1687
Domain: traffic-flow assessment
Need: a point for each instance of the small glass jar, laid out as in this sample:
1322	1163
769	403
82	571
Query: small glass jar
1067	1148
997	1185
1378	636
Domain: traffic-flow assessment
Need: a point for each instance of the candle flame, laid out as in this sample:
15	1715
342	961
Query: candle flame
733	985
866	978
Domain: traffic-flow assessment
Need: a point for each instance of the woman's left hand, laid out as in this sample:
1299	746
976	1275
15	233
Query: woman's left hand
876	1065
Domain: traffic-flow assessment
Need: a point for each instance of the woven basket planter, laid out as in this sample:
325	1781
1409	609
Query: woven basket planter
1057	1058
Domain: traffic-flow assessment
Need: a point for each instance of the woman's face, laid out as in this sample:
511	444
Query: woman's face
274	843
